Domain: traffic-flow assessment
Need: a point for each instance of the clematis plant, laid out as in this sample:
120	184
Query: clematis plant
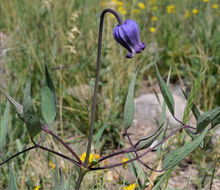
126	34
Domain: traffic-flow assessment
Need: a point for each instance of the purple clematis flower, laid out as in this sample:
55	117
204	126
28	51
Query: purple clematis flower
127	34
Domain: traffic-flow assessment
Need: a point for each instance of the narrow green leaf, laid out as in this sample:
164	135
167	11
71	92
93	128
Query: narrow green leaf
30	117
165	92
17	106
208	117
49	107
175	156
12	181
4	125
146	141
129	104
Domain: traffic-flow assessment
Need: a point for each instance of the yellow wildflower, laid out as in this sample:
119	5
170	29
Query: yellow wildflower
195	11
119	3
154	8
91	157
37	187
187	14
206	1
141	5
136	11
215	6
51	165
131	187
122	10
154	18
123	159
171	9
152	29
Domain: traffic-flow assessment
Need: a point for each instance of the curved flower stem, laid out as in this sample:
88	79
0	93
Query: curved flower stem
98	66
44	128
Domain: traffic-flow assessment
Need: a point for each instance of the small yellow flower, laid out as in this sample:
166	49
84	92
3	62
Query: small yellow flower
215	6
91	157
195	11
154	18
123	159
152	29
154	8
187	14
141	5
136	11
133	186
51	165
206	1
122	10
119	3
171	9
37	187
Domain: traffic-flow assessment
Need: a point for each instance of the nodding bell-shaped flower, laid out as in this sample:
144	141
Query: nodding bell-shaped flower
127	34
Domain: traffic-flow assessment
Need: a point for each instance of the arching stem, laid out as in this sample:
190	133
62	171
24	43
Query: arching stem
98	66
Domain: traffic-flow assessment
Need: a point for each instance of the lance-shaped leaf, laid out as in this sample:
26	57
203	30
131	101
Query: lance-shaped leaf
208	117
146	141
30	117
49	107
4	125
129	104
165	92
174	157
18	107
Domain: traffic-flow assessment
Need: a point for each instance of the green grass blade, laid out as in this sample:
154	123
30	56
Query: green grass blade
197	114
193	93
4	125
12	181
68	181
49	107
